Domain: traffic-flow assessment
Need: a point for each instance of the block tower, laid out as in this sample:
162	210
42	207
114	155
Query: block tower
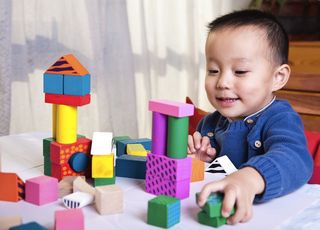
168	167
66	86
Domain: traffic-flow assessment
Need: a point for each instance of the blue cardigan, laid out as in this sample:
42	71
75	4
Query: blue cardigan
271	141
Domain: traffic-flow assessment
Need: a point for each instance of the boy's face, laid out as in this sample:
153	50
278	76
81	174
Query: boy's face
240	73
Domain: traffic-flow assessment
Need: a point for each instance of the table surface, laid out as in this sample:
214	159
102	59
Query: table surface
22	154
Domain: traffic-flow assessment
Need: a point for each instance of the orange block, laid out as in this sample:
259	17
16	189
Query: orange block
197	171
68	65
11	187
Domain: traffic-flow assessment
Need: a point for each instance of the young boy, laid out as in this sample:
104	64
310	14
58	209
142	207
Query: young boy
246	61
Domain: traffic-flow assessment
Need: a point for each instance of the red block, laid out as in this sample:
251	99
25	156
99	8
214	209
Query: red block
71	100
12	188
315	179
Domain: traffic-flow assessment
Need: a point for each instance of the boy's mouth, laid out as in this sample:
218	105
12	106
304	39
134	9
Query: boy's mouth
227	99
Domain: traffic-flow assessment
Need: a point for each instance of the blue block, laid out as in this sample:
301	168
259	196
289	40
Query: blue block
122	145
53	83
76	85
79	162
131	166
29	226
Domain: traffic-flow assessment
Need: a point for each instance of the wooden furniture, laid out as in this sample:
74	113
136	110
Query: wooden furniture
303	87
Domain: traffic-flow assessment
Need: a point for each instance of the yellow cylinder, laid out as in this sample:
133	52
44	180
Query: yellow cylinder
54	120
66	124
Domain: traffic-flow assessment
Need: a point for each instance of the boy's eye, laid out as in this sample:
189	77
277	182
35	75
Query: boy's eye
241	72
213	72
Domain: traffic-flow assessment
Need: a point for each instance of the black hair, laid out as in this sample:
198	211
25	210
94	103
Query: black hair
275	32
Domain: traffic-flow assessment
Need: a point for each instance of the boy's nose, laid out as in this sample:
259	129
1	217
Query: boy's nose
224	82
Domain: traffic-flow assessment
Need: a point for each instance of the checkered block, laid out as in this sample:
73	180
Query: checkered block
159	186
168	168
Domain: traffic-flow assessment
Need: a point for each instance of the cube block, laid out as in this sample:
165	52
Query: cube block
104	181
53	83
197	170
69	219
71	100
41	190
6	222
171	108
109	199
76	85
12	188
131	166
136	150
103	166
101	143
164	211
216	222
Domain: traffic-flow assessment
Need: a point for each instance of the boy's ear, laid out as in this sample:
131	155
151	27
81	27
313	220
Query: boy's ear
281	77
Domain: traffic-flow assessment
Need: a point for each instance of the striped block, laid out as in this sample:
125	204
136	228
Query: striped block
171	108
12	188
69	219
164	211
131	166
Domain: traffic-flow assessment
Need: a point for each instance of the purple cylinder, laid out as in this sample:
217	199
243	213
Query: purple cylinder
159	133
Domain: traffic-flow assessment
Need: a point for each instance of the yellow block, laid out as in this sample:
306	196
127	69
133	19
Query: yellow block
66	124
54	120
136	150
102	166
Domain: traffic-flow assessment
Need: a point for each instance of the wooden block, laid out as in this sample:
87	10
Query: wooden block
136	150
41	190
159	133
29	226
171	108
76	85
109	199
122	145
118	138
131	166
80	185
104	181
197	170
102	166
101	143
216	222
47	166
12	188
69	219
66	127
177	139
7	222
68	65
164	211
71	100
53	83
78	200
66	185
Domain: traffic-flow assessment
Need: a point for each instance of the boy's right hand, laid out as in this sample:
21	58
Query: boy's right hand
201	147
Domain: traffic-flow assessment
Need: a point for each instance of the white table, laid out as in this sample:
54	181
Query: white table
23	154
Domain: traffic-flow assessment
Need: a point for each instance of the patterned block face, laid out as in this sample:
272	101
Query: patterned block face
168	168
12	188
159	186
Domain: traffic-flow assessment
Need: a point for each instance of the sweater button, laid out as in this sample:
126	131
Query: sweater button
210	134
257	144
249	121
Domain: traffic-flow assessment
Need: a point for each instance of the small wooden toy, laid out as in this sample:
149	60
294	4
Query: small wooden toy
66	185
7	222
109	199
69	219
101	143
103	166
80	184
78	200
131	166
12	188
197	170
136	150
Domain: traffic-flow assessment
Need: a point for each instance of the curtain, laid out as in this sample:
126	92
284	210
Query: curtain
135	50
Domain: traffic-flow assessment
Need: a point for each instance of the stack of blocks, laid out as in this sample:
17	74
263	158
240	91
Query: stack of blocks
168	167
66	86
131	157
211	211
164	211
102	159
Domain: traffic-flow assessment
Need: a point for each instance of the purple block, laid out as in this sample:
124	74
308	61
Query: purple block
168	168
159	186
159	133
171	108
41	190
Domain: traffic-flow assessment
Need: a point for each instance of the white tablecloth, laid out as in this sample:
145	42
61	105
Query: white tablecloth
23	154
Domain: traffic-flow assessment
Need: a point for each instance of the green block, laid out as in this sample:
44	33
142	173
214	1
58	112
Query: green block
105	181
164	211
216	222
46	146
177	140
119	138
80	136
47	166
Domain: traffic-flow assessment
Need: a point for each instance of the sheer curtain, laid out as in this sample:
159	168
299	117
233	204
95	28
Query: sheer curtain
135	50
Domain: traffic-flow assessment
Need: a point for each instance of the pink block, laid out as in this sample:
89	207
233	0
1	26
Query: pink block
168	168
171	108
69	219
159	186
41	190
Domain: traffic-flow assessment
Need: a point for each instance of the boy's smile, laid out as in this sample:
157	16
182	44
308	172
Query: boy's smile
240	73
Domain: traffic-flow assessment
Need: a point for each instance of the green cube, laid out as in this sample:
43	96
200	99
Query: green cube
105	181
216	222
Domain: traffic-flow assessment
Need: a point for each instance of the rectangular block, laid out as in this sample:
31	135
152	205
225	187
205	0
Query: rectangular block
159	186
104	181
136	150
69	219
211	221
41	190
53	83
46	145
197	170
7	222
171	108
131	166
168	168
76	85
71	100
101	143
102	166
47	166
12	188
118	138
29	226
109	199
59	171
122	145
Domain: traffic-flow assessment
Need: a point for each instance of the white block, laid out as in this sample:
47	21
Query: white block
77	200
101	143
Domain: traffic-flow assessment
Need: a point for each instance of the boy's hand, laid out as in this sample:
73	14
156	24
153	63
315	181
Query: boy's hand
239	190
201	147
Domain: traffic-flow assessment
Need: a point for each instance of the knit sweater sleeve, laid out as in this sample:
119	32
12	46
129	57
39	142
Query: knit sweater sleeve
286	164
